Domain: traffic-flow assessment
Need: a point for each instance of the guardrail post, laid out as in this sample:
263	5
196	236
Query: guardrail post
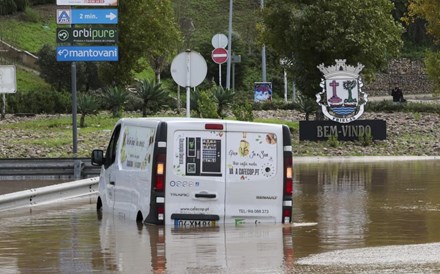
77	169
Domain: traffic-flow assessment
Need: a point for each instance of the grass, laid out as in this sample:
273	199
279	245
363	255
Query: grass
53	135
29	81
28	36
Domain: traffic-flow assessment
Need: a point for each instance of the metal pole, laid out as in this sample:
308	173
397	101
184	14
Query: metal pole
263	55
233	76
74	126
77	163
293	91
228	69
220	75
188	83
178	99
285	86
4	106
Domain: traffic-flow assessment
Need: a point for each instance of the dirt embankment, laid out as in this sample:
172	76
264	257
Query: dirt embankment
407	134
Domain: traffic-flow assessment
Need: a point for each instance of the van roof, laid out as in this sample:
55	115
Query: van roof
140	121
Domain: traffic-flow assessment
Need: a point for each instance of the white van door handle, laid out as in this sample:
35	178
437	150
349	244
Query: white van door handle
112	183
206	195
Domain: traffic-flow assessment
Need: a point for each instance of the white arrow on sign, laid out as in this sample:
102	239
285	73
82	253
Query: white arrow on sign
110	16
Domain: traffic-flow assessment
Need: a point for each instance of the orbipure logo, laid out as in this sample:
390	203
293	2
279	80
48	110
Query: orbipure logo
90	35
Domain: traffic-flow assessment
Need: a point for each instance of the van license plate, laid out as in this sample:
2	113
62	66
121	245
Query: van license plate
194	223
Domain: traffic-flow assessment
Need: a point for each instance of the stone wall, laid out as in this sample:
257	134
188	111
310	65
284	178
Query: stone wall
15	55
409	75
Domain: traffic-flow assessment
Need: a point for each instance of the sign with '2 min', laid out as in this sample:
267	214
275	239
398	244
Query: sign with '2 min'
87	16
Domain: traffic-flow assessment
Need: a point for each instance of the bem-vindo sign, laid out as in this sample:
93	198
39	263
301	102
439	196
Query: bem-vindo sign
342	102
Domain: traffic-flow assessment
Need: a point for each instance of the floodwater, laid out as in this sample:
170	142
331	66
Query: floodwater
348	218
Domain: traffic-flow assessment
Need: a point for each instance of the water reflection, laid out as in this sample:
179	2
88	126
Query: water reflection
368	204
224	249
361	216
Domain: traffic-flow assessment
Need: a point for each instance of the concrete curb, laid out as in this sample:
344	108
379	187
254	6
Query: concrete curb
359	159
47	194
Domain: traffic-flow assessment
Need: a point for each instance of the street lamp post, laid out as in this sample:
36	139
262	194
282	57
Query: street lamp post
263	55
228	64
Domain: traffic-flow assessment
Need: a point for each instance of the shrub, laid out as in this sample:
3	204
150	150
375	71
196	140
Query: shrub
114	99
224	98
306	105
153	96
48	101
87	105
207	107
242	107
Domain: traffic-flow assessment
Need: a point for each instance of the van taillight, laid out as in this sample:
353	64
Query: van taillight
160	173
288	175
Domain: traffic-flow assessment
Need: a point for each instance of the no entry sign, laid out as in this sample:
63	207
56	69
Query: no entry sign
219	55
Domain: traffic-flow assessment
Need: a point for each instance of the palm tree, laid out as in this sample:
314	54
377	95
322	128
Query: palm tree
115	98
87	104
306	105
153	96
224	98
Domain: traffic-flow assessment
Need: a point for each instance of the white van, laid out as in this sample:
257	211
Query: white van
196	172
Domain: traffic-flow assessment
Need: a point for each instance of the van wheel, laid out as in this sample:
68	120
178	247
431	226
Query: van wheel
139	217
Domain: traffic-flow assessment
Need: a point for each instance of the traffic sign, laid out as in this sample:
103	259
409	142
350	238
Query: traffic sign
219	55
87	2
87	16
87	53
219	41
8	79
87	35
189	69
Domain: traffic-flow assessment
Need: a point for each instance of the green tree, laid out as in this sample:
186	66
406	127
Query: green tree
87	105
429	11
58	74
115	98
313	32
146	29
153	96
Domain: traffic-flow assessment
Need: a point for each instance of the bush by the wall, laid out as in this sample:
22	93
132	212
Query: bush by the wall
37	102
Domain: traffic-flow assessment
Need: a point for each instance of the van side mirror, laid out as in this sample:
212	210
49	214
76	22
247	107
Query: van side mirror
98	157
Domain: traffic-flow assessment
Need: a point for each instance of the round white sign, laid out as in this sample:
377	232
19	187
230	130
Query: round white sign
219	41
189	69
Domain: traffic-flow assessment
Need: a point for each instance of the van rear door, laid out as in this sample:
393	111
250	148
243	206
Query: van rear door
195	184
254	175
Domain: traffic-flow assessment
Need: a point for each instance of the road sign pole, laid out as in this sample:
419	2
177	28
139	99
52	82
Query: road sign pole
4	106
188	83
74	107
220	75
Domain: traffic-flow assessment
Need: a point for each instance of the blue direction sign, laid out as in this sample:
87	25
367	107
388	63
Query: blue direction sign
87	53
87	16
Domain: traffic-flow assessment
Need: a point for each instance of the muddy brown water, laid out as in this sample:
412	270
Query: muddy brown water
348	218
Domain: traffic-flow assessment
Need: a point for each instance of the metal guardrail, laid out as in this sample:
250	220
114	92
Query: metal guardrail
47	194
47	168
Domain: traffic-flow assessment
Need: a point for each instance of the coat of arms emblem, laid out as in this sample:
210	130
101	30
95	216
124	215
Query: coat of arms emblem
341	98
